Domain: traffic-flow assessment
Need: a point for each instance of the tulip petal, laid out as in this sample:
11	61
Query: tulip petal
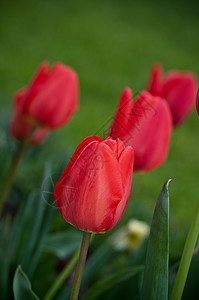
116	146
40	75
126	162
79	150
121	116
155	79
19	96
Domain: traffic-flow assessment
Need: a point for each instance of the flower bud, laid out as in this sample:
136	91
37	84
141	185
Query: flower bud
177	88
48	102
93	191
146	125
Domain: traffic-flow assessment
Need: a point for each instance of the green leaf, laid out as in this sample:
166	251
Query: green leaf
40	223
30	229
62	244
109	282
155	282
22	287
21	228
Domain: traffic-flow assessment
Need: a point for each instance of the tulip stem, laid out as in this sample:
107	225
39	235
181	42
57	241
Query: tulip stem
13	167
186	258
80	265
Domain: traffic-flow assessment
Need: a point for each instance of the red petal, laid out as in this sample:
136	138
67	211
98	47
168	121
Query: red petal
126	162
80	148
116	146
155	80
118	128
40	74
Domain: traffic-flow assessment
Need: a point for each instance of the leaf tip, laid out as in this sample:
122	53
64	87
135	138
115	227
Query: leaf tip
167	183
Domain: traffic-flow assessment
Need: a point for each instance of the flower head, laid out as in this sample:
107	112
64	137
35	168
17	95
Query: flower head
93	191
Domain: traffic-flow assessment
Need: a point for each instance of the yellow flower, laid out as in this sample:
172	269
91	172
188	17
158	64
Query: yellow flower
130	236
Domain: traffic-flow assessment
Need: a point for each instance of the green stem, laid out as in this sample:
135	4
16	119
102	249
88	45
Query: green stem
80	266
62	277
13	167
186	258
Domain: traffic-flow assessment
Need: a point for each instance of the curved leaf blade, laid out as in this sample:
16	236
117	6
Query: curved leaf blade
155	282
22	287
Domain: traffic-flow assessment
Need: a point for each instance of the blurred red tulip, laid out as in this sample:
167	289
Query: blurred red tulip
197	102
146	125
178	88
48	101
93	191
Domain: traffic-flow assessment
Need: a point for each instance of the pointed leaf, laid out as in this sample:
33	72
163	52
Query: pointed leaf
22	287
155	282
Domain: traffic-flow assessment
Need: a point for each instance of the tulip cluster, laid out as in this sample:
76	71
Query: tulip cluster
93	191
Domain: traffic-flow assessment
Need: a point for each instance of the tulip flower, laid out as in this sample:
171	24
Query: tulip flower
178	88
146	125
93	191
48	101
197	102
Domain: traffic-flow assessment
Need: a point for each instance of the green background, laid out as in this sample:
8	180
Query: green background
111	44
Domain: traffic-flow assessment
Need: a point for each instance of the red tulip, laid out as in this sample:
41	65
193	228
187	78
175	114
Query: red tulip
146	125
93	191
48	101
197	102
178	88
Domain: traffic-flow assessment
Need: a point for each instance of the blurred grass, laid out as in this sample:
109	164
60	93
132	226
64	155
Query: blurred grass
110	44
